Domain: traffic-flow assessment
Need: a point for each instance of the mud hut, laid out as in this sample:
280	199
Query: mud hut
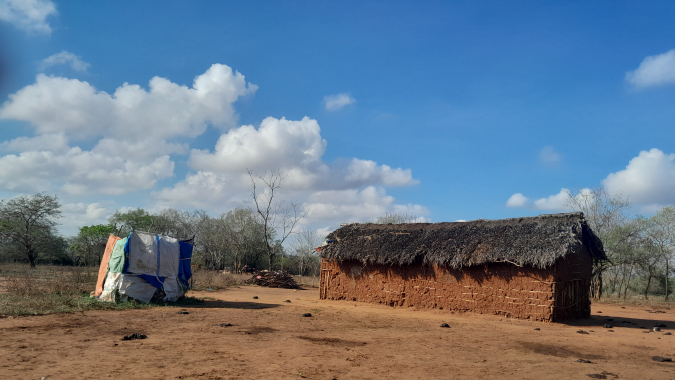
535	268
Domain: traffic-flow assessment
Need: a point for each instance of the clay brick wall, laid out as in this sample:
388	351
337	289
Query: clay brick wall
497	288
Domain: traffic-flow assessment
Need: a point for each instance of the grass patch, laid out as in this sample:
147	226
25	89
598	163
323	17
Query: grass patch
53	289
653	302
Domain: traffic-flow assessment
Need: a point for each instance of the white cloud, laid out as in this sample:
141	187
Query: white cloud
295	148
516	200
335	102
64	58
280	142
655	70
52	142
554	202
549	155
86	211
134	127
346	206
80	172
28	15
76	215
649	179
166	110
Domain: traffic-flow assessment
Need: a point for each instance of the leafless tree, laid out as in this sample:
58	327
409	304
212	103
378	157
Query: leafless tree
279	217
606	215
396	218
304	246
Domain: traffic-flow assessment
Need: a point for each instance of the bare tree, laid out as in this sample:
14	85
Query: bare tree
304	245
661	230
279	217
605	214
396	218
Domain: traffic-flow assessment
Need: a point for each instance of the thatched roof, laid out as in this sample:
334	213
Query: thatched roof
534	241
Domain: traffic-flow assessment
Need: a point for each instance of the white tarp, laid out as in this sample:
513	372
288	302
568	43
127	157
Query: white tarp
143	257
112	283
136	288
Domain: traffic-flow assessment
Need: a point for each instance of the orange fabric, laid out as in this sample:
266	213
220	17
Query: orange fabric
103	269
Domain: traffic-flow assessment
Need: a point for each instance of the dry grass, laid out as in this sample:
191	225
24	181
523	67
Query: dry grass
203	279
54	289
308	281
653	302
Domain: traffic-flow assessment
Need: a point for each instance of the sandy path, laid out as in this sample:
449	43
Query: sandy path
270	339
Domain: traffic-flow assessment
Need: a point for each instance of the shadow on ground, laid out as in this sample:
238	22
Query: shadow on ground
218	304
637	323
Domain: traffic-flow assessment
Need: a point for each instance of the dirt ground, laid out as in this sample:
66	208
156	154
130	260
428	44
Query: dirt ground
270	339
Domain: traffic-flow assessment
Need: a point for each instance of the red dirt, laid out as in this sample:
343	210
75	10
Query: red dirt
270	339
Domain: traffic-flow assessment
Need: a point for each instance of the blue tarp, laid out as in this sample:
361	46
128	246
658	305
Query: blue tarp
184	269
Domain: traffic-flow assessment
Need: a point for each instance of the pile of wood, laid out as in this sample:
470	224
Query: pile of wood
278	279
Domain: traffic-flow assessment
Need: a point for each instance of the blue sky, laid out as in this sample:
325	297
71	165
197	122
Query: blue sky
445	110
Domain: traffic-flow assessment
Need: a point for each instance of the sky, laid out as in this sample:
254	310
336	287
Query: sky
444	110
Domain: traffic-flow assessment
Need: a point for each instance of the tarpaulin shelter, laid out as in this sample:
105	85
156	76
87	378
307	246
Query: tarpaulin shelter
141	264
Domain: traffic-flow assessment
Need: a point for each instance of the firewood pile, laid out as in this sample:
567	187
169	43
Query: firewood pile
278	279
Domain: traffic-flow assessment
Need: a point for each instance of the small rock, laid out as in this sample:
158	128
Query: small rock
661	359
537	329
255	297
591	330
584	361
225	325
183	312
134	336
623	307
445	325
596	375
307	315
599	312
668	333
582	332
289	301
655	329
209	290
607	326
610	330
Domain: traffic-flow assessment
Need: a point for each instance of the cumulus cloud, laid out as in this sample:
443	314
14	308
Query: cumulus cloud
555	202
76	215
549	155
295	147
337	101
85	210
166	110
65	58
355	206
136	130
52	142
516	200
655	70
648	179
28	15
80	172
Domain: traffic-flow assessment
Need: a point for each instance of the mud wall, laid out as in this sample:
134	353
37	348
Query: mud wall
497	288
